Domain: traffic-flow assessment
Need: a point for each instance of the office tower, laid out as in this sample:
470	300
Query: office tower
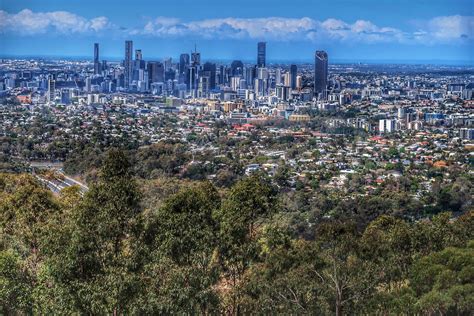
287	79
293	73
278	76
283	92
204	86
138	64
96	59
168	63
299	82
51	90
155	71
128	64
262	73
261	54
143	80
250	74
192	78
138	54
209	69
236	68
88	85
320	74
195	58
235	83
183	63
243	83
104	66
222	74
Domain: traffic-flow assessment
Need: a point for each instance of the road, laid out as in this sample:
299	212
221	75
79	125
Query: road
61	181
57	184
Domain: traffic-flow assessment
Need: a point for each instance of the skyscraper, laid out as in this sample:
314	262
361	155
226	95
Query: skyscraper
155	71
320	74
137	65
195	58
261	54
293	73
209	69
51	89
96	59
236	68
168	63
128	64
138	54
250	74
193	72
183	63
88	84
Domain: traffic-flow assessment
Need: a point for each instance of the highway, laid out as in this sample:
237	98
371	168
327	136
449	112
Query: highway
58	183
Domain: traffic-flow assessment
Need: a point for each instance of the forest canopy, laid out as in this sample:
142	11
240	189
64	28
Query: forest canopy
192	248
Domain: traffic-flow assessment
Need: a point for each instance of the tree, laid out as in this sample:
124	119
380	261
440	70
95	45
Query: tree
344	275
97	265
181	272
284	280
15	285
442	281
249	202
25	208
25	211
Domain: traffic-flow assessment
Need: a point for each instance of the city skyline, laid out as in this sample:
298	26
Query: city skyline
428	31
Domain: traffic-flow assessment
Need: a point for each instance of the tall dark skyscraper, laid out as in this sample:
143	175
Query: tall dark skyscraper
293	73
209	70
51	89
155	71
261	54
183	63
320	74
128	63
96	59
193	71
195	58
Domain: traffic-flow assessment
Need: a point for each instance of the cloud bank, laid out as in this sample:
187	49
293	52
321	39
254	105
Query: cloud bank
443	29
27	22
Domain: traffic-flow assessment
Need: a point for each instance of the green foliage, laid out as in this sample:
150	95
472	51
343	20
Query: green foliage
185	227
15	285
190	249
443	281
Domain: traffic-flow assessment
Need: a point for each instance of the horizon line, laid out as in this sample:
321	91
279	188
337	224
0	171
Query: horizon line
437	62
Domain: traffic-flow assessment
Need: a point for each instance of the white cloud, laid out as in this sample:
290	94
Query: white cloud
441	29
263	28
451	27
28	22
361	30
272	28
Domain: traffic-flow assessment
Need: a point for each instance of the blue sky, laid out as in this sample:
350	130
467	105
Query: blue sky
350	30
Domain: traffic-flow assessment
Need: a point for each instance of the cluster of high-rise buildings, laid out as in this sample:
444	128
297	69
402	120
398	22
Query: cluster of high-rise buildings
377	98
189	77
